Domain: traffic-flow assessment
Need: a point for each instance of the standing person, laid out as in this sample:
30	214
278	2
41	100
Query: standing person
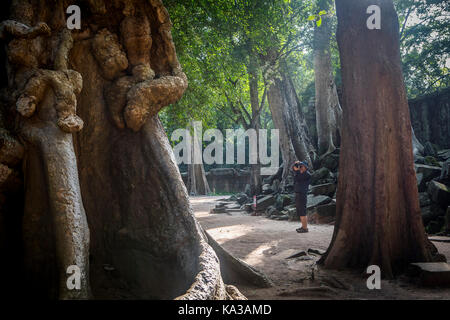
302	179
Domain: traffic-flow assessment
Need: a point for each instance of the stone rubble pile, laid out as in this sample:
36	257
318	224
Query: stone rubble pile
433	181
277	201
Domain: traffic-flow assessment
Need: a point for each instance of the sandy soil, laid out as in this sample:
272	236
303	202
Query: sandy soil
265	244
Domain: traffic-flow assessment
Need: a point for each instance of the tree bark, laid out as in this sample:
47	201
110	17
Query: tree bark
100	156
296	124
378	218
417	146
255	169
197	184
328	109
277	107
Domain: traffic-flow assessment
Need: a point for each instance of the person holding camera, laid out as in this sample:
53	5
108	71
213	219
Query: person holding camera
302	179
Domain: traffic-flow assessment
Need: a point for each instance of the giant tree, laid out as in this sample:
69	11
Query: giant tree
328	109
378	218
88	177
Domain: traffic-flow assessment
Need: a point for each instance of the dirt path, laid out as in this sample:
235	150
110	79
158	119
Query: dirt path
265	244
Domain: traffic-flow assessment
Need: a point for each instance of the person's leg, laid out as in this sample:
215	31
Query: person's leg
304	221
303	216
300	204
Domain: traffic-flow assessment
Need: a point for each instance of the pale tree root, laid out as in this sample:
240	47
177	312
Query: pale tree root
70	228
236	271
53	195
208	283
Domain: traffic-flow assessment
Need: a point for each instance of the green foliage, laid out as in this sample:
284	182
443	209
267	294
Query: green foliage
317	17
425	44
217	42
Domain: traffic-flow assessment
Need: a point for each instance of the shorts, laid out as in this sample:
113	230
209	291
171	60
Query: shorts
300	203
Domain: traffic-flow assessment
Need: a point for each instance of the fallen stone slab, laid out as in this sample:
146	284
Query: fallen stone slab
271	211
247	207
218	210
421	184
283	200
221	204
267	189
241	198
428	172
317	219
292	214
263	203
439	239
327	189
444	154
297	255
316	251
320	174
424	199
445	173
225	199
330	161
431	274
314	201
327	210
439	193
447	219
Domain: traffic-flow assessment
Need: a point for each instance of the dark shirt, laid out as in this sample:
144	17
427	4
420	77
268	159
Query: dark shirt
301	181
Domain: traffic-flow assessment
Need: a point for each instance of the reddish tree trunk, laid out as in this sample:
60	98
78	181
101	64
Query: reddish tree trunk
378	219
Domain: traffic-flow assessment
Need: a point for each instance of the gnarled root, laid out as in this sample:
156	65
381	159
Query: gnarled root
134	99
64	201
19	30
47	104
147	98
65	84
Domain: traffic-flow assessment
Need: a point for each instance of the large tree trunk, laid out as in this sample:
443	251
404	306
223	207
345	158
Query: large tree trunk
277	107
115	171
328	109
296	124
378	219
197	184
255	169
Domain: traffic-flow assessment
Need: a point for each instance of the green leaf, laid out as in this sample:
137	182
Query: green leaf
319	22
311	18
321	13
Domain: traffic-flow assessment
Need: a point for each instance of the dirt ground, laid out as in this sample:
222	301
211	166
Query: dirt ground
265	244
